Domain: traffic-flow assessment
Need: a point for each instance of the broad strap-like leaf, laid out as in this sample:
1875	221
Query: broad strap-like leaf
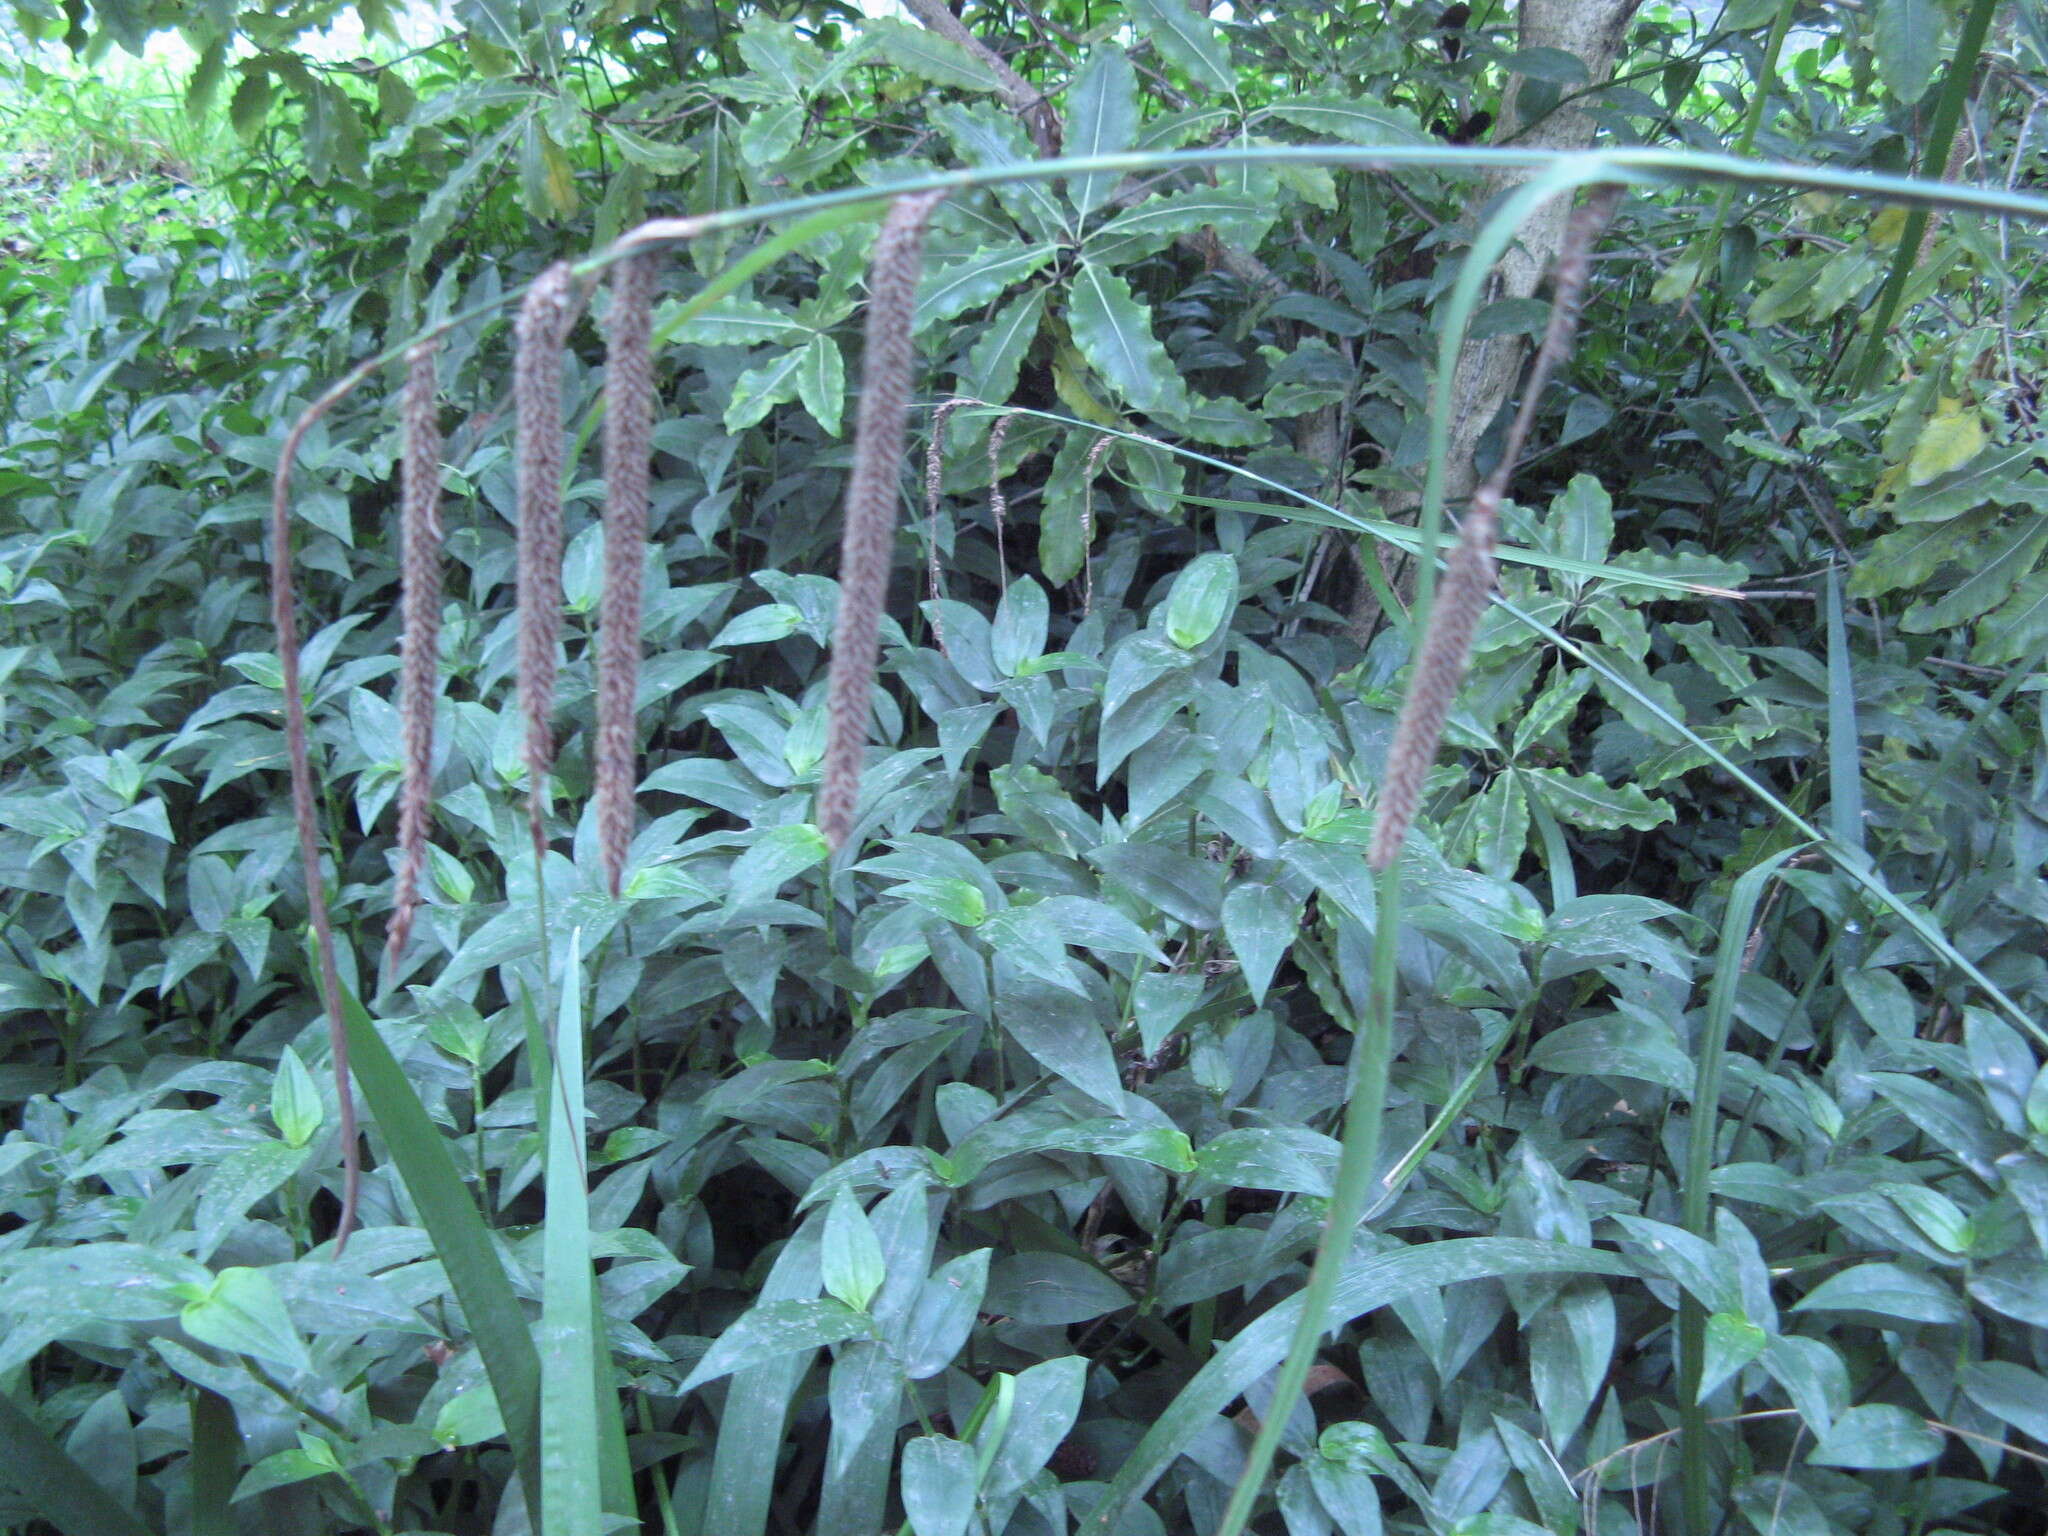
1114	332
1189	42
1102	118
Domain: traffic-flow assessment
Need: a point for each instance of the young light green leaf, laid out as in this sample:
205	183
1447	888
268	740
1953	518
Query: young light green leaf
944	1314
1018	634
469	1418
294	1100
1203	597
243	1312
851	1257
778	855
938	1486
1872	1436
242	1178
1732	1341
777	1328
1260	921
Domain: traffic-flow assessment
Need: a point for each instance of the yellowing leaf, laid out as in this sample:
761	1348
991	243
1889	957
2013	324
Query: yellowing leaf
1070	383
1314	183
1886	227
1677	281
1953	438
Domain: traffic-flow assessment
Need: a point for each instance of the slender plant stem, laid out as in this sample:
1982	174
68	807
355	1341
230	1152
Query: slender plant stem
1745	140
1371	1052
1941	133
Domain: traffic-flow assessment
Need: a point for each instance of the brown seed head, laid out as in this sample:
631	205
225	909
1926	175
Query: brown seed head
537	396
420	637
934	474
1460	600
888	366
998	504
628	433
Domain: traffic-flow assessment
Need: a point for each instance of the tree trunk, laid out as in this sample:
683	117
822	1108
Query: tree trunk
1593	30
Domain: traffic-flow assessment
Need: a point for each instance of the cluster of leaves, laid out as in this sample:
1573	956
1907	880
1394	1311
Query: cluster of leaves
962	1179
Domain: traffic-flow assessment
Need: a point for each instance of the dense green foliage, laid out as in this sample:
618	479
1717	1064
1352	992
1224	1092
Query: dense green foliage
962	1179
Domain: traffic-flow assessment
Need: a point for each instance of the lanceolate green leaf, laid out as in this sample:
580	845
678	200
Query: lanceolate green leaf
1188	41
927	55
1154	223
1114	332
821	382
979	278
1102	117
1908	38
998	353
444	205
737	322
1351	118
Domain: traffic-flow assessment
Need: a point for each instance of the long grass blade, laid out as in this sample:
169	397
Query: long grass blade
1845	760
569	1497
1696	1195
461	1239
1941	133
216	1457
62	1491
757	1403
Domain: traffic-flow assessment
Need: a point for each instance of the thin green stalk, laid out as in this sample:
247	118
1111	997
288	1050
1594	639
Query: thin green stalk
1745	140
1941	133
1454	1106
216	1451
1636	167
1371	1053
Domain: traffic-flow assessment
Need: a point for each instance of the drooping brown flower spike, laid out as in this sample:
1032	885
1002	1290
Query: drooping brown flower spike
419	637
1468	573
628	435
888	367
537	400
